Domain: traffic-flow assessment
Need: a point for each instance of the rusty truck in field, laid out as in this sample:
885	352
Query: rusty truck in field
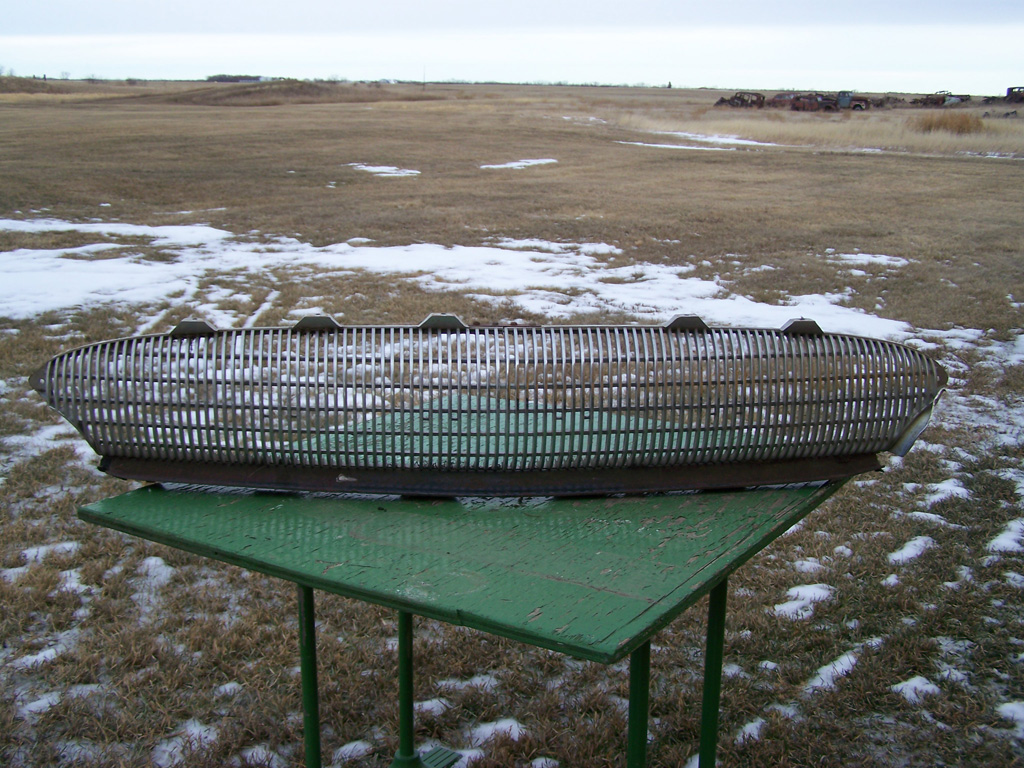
742	99
826	102
849	100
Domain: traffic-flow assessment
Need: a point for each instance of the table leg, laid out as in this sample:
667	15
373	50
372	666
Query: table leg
713	674
639	706
406	736
310	688
408	757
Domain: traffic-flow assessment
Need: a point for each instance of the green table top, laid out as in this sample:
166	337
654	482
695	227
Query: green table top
593	578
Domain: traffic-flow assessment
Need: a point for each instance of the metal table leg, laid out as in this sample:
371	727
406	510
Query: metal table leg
408	757
310	688
713	674
639	706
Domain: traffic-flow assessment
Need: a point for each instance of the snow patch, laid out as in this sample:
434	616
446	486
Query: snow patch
949	489
483	682
868	259
169	235
915	689
751	731
1010	540
34	555
48	438
261	755
38	706
676	146
431	707
733	670
385	171
63	643
190	735
354	750
802	599
931	517
1013	710
518	164
155	574
1014	579
912	550
717	139
827	675
808	565
486	731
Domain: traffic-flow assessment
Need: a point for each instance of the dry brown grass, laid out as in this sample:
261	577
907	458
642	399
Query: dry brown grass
963	131
284	171
9	84
957	123
34	90
291	92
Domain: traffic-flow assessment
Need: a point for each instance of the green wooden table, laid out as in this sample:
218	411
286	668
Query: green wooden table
592	578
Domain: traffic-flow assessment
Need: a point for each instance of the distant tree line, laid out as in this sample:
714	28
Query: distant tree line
233	79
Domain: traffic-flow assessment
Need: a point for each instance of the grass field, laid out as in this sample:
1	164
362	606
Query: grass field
887	629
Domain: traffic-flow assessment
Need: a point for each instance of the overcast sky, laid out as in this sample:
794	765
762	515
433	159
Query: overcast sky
968	46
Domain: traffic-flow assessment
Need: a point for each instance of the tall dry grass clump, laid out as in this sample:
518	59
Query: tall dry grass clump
957	123
12	84
931	132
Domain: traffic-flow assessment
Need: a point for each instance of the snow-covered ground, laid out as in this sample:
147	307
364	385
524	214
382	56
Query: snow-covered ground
557	280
